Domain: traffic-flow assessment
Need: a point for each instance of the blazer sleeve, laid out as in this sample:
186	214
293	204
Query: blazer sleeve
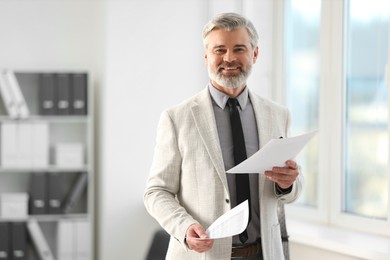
295	192
164	182
297	186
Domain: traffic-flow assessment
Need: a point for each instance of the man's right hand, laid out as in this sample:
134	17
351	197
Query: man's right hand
194	232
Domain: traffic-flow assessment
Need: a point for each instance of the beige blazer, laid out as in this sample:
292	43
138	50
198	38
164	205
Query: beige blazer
187	182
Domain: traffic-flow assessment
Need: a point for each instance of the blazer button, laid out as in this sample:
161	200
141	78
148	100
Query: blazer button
227	200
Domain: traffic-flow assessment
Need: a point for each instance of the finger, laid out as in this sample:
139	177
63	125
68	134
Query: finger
292	164
282	171
285	178
286	170
199	231
196	230
282	177
200	245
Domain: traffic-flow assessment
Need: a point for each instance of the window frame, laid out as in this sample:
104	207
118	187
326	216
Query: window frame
331	120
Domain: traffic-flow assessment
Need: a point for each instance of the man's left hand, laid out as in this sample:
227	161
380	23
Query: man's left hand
284	176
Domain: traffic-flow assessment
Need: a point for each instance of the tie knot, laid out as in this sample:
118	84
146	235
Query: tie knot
233	102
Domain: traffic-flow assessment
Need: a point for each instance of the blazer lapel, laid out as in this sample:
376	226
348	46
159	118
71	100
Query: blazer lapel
204	118
263	117
264	121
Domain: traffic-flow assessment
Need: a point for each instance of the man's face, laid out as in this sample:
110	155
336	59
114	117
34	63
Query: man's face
229	57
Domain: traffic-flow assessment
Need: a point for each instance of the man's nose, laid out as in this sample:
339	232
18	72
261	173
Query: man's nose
229	56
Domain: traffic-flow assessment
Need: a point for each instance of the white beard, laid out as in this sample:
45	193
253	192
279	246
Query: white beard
232	81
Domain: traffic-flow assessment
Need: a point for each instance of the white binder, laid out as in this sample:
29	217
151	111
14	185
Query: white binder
24	144
40	145
65	240
13	84
83	240
74	240
7	96
8	145
39	240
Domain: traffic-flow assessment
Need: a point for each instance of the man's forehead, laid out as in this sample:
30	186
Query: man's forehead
221	37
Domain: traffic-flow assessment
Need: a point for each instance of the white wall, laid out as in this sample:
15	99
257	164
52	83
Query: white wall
44	34
154	60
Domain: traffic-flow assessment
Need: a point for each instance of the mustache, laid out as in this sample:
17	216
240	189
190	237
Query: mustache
229	65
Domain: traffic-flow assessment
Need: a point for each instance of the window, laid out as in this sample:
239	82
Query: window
302	61
335	58
366	104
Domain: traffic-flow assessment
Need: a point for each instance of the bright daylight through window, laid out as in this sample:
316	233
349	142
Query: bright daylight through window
363	175
366	109
302	59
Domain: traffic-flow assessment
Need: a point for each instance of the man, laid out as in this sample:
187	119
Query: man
188	187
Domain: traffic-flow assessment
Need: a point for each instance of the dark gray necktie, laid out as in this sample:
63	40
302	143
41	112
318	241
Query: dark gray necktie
283	230
239	152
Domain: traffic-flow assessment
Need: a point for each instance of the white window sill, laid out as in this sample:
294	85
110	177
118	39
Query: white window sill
339	240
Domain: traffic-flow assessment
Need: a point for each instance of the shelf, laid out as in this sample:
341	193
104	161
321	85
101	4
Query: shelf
84	168
50	119
46	218
32	148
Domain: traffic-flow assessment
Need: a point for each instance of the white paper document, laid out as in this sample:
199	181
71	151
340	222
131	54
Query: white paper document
275	153
231	223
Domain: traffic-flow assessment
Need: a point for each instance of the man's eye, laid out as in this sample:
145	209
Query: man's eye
219	51
240	49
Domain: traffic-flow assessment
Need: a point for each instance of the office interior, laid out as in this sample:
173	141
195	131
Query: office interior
144	56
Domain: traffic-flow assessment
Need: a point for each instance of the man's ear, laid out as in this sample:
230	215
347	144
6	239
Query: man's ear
205	57
255	54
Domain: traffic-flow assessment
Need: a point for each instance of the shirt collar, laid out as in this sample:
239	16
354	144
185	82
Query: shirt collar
221	98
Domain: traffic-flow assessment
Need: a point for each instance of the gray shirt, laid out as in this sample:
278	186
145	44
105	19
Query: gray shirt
248	121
